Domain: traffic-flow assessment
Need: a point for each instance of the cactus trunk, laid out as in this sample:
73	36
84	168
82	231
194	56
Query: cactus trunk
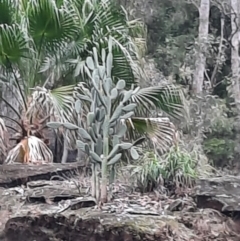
97	182
104	175
104	161
93	180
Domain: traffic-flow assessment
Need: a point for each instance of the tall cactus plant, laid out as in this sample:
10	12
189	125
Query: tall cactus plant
105	120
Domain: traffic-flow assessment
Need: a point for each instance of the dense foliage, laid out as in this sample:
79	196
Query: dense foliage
173	28
47	45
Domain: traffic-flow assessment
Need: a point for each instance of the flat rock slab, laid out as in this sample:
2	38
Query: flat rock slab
44	192
42	197
53	191
17	174
220	193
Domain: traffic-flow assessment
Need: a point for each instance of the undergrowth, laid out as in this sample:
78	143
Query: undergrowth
179	168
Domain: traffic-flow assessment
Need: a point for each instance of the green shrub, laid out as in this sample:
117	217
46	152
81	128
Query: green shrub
177	168
219	151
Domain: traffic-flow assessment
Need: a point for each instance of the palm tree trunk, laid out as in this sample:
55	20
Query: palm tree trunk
8	94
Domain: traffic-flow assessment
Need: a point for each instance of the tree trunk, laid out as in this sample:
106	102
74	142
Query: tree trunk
220	51
198	77
235	66
234	53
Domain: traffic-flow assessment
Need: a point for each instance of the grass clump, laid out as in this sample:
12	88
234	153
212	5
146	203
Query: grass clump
177	168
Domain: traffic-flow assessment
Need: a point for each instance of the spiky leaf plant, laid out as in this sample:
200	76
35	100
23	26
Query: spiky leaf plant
176	169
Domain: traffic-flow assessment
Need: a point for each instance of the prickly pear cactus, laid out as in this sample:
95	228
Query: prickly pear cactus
105	120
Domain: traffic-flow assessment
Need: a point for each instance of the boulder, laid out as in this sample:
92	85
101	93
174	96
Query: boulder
44	222
219	193
86	225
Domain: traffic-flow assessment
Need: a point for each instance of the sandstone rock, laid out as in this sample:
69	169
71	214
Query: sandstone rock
86	225
219	193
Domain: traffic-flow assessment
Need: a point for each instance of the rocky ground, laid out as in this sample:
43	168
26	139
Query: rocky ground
55	204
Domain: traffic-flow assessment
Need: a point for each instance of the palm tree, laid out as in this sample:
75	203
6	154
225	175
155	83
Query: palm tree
30	31
44	44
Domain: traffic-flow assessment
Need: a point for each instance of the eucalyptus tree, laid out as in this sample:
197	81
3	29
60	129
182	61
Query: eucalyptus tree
235	23
203	7
44	44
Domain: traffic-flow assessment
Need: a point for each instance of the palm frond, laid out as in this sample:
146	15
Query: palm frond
169	99
102	20
49	23
13	45
53	67
30	150
123	68
129	51
160	131
58	103
6	11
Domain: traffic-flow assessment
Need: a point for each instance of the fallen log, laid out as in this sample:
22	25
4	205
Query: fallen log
18	174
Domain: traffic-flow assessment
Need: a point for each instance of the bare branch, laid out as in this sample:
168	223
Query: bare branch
220	48
227	10
194	2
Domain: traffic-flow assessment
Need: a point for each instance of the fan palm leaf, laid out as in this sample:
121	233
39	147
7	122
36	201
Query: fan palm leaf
49	23
6	11
102	20
57	103
13	45
160	131
169	99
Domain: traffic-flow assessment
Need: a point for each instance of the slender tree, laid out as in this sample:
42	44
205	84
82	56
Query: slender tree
198	77
234	52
